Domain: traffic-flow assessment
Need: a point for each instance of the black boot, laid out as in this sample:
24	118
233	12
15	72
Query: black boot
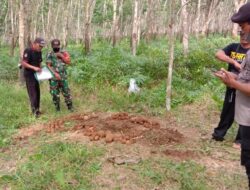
37	114
70	107
57	107
249	183
248	175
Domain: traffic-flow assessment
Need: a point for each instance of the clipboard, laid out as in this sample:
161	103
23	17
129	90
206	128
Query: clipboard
45	74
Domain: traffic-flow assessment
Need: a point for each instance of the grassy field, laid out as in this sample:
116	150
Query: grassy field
99	82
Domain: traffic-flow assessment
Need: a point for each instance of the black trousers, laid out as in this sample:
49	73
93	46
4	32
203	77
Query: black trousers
227	116
33	89
245	149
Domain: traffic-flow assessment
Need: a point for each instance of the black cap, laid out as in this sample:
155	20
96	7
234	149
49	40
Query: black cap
40	41
243	15
55	43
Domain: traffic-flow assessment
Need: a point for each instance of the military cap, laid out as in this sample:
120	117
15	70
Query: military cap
40	41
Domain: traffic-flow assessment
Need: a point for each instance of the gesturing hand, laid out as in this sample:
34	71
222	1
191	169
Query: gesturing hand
227	77
59	55
38	69
57	76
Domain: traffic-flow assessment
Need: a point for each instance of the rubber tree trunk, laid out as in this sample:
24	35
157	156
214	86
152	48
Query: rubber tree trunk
213	4
171	56
134	36
114	25
185	36
197	20
89	8
21	17
13	28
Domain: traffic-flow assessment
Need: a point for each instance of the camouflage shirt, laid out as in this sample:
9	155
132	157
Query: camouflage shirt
57	64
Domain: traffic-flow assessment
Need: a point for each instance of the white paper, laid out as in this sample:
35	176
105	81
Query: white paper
45	74
133	88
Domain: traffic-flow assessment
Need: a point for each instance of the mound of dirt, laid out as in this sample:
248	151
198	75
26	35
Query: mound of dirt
119	127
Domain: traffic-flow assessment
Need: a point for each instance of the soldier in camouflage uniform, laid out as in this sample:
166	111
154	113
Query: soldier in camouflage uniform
56	61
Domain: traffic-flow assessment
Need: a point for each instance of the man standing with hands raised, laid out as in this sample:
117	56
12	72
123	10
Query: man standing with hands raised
233	55
241	83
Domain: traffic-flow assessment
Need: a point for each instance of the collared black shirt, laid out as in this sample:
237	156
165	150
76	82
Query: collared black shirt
33	58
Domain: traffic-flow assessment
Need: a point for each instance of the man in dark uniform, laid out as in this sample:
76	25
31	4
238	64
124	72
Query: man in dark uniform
233	54
57	61
32	59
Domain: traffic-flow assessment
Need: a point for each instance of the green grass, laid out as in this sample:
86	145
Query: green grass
181	175
15	109
185	175
14	105
57	166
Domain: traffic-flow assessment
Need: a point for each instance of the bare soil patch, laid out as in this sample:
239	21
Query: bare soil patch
117	127
180	154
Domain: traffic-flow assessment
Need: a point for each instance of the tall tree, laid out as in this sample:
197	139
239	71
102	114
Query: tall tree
211	5
116	16
155	17
114	26
119	19
184	18
104	15
79	14
149	20
197	20
66	23
89	8
28	22
49	18
139	20
45	18
171	39
134	36
21	35
13	17
36	23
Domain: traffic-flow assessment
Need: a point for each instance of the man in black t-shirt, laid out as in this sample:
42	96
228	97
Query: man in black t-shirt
232	54
32	59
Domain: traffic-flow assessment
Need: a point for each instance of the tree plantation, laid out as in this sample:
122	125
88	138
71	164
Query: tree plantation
81	21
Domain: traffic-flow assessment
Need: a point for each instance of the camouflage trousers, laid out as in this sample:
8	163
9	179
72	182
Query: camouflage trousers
57	86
